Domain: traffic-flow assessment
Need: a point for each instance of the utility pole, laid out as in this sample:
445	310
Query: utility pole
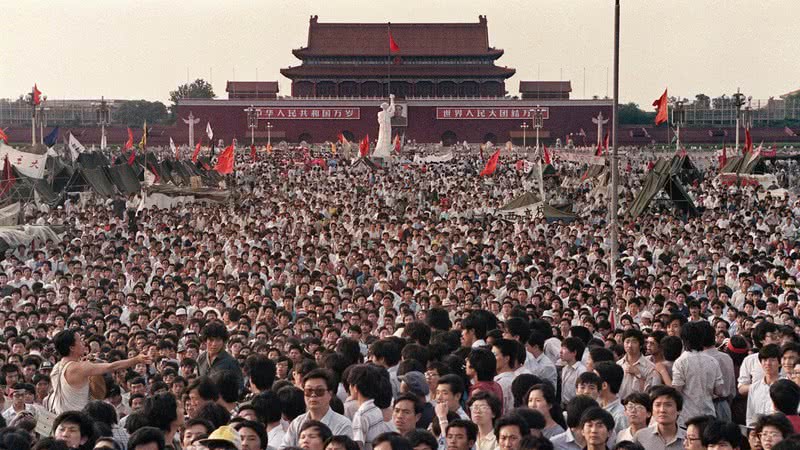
738	102
538	123
524	127
252	123
678	116
614	163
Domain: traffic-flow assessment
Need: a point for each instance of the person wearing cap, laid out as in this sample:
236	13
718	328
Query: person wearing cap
223	438
414	383
18	405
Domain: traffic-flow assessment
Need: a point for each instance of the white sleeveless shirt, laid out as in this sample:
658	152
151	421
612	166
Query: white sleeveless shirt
64	396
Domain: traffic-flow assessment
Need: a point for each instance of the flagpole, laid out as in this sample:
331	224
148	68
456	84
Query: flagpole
614	163
389	63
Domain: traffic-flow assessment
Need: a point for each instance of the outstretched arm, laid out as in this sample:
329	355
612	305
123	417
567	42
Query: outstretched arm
85	369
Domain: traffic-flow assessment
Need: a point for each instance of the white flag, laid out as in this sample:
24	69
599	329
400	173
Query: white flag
103	142
75	147
28	164
172	146
209	131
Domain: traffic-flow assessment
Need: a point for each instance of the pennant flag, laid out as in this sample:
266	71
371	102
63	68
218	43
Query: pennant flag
173	148
51	138
723	160
341	138
661	108
3	135
225	161
75	147
8	178
253	152
546	155
789	131
129	142
37	95
196	151
209	131
491	165
397	143
143	141
363	147
393	47
748	142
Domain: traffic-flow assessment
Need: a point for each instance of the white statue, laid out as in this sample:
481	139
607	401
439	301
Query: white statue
383	149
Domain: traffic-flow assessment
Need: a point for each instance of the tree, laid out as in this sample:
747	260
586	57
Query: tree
631	114
134	113
198	88
702	101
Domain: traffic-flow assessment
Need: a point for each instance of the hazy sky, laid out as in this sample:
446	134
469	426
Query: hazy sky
145	48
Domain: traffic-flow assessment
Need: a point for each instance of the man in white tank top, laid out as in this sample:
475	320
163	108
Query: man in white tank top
70	376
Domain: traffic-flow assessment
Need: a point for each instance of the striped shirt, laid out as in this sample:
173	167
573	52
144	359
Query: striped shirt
368	423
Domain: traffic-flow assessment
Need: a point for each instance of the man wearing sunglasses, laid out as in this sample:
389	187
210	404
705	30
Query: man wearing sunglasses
318	389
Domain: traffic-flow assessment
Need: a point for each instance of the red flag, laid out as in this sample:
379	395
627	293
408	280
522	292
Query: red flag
748	142
397	143
491	165
363	147
196	151
393	47
600	147
8	178
3	136
661	108
37	95
225	161
341	138
132	158
253	152
723	160
546	155
155	173
129	142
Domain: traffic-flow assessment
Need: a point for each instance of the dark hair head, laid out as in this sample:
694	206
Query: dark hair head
518	327
161	410
666	391
205	387
292	400
549	395
509	348
671	347
260	370
785	395
64	340
590	378
50	443
599	354
718	431
520	387
101	411
534	418
79	418
438	319
214	413
467	425
639	398
425	437
575	345
228	384
611	373
455	383
576	407
484	363
776	420
214	330
347	443
597	413
495	404
509	420
321	374
418	332
366	378
769	351
323	430
146	435
635	334
257	427
474	323
396	441
692	335
700	422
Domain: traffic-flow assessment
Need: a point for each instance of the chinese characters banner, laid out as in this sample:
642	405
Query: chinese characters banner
309	113
488	113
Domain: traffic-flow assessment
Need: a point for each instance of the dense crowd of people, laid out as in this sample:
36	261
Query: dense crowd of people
336	308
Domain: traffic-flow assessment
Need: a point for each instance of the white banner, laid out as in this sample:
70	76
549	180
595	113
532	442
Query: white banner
27	164
582	158
433	158
75	147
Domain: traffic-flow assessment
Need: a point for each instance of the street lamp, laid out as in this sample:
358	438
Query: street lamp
537	118
269	135
252	122
738	102
42	119
678	117
524	127
103	116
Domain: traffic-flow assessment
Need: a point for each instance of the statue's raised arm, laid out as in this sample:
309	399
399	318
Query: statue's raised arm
390	110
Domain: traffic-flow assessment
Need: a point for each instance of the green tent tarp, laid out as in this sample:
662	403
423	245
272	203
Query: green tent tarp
124	178
661	178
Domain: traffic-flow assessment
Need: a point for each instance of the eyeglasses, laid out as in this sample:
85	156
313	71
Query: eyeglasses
633	407
312	392
770	434
431	374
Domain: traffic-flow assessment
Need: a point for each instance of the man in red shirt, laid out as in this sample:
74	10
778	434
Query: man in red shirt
481	369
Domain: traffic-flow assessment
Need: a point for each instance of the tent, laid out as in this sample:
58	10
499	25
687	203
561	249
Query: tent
27	189
124	178
661	177
91	180
92	160
364	165
748	164
530	204
683	166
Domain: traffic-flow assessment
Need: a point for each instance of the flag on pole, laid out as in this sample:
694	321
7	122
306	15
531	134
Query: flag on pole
173	148
51	138
341	138
491	165
748	142
225	161
196	151
129	142
75	147
363	147
3	135
546	155
253	152
143	141
37	95
8	178
661	108
132	157
209	131
393	47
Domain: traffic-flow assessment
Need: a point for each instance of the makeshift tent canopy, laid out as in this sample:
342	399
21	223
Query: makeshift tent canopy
91	180
662	178
25	189
11	237
528	198
683	166
530	204
364	165
124	178
92	160
748	164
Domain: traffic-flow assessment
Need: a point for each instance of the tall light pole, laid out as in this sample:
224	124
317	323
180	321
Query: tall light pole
42	120
738	102
102	114
747	117
524	127
678	116
614	164
252	123
269	134
538	123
